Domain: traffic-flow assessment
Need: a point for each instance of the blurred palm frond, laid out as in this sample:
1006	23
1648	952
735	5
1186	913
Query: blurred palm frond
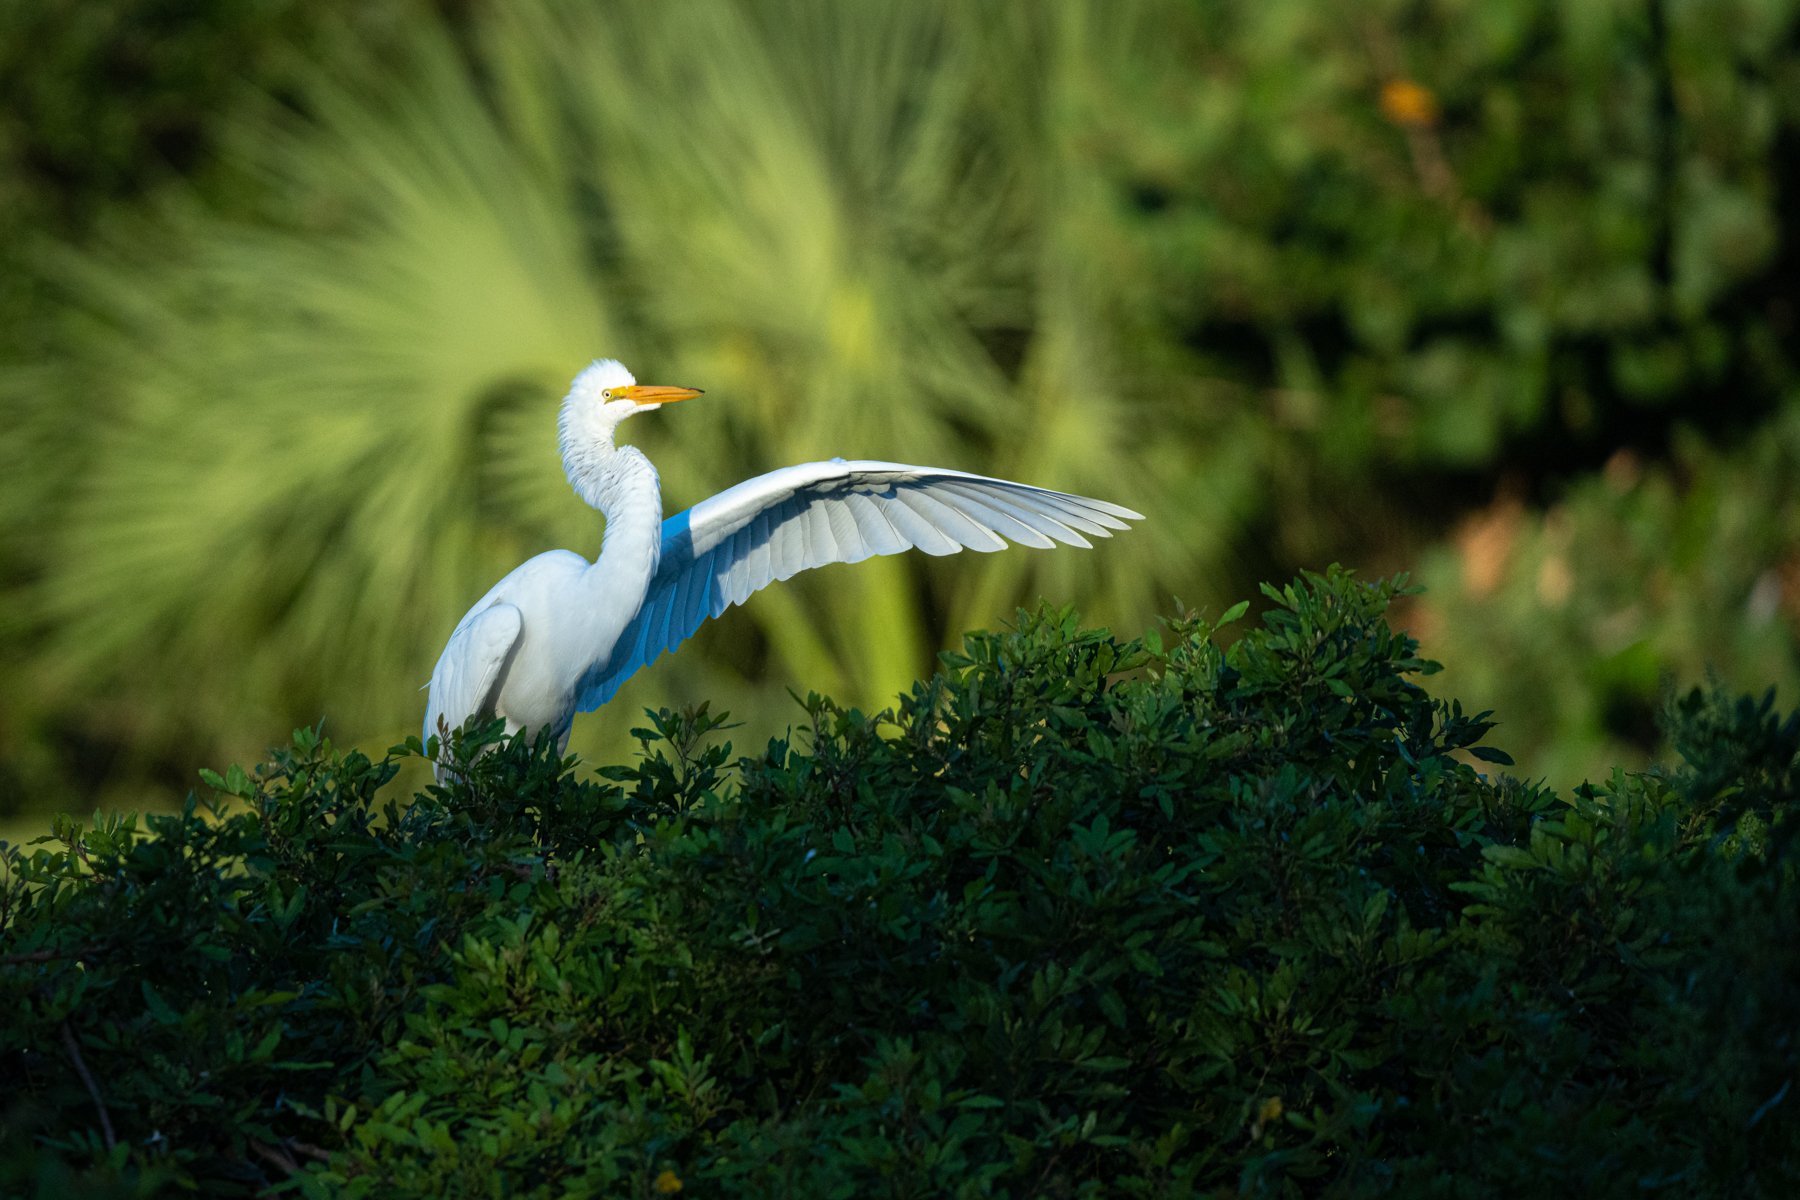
330	424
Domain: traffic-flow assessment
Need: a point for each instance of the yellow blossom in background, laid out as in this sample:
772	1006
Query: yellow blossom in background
1269	1110
1407	103
667	1183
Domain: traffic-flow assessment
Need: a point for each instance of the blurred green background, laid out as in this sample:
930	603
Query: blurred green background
1502	292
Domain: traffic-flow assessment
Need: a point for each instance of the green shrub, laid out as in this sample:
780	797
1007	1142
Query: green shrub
1080	917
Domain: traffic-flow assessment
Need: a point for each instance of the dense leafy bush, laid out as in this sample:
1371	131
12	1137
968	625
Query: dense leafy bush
1081	917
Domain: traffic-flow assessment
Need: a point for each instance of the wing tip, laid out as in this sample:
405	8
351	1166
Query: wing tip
1106	508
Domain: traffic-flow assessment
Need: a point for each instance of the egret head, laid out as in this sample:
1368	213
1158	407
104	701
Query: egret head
601	397
609	387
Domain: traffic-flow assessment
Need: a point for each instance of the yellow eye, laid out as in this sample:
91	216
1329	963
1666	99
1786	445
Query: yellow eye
607	394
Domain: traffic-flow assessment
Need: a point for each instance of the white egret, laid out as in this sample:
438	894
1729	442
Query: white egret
560	634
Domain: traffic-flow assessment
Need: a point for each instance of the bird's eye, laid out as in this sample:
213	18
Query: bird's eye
607	394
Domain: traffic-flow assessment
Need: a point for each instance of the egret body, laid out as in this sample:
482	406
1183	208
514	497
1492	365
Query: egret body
560	634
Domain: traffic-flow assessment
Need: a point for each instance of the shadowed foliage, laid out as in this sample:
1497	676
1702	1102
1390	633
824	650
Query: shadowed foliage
1080	917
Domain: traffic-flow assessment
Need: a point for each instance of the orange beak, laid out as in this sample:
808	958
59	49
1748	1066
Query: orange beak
649	393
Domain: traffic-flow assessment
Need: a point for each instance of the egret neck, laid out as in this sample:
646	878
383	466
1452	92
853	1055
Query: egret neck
621	483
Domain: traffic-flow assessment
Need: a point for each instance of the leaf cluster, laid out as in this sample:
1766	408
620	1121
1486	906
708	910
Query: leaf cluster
1079	917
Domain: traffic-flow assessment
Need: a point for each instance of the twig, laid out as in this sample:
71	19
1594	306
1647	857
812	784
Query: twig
271	1154
527	871
288	1154
31	956
74	1047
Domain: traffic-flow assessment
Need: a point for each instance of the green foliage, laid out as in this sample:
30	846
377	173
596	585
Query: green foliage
100	101
1572	228
1079	917
1574	622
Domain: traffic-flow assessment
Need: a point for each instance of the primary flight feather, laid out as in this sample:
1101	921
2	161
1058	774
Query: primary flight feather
560	634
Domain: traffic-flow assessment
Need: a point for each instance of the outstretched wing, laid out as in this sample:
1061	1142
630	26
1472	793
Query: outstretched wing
722	550
468	672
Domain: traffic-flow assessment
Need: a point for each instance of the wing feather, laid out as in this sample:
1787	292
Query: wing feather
824	547
663	615
745	565
914	528
872	520
723	550
940	509
789	554
681	613
468	673
999	516
759	561
1015	499
1046	521
840	518
1082	513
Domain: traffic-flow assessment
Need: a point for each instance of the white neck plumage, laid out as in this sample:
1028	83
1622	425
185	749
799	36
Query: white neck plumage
621	483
